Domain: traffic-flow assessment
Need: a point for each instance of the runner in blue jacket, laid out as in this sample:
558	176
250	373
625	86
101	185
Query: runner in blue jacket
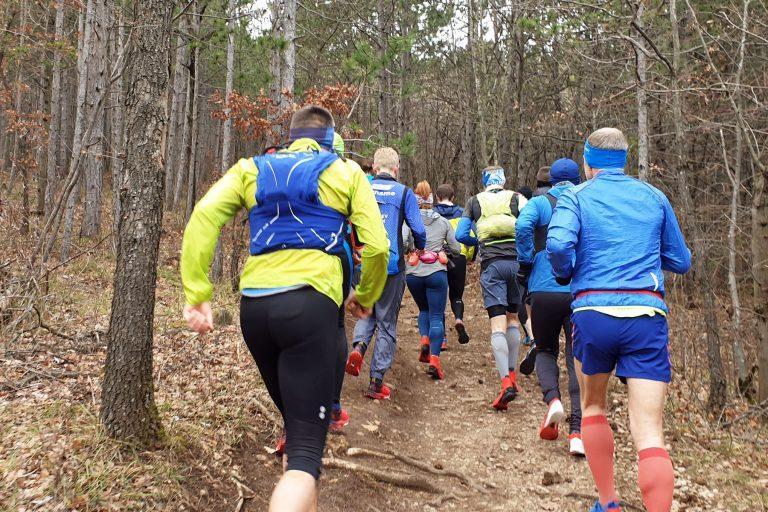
611	238
398	205
550	306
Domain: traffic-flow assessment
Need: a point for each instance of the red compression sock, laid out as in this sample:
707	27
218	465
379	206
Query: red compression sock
597	436
656	478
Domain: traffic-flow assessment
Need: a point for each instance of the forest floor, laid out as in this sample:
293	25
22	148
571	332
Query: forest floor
219	426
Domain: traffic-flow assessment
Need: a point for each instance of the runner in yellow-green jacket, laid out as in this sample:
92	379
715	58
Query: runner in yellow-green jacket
300	202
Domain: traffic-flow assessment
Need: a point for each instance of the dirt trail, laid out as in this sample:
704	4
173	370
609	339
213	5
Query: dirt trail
451	424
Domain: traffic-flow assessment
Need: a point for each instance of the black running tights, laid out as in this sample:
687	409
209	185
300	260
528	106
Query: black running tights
457	280
294	339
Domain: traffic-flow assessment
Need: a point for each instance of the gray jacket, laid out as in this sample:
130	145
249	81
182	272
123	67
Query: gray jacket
440	237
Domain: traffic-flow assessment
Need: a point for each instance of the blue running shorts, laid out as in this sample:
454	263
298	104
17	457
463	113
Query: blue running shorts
636	347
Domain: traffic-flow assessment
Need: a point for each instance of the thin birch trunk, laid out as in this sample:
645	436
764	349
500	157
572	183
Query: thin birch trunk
739	357
77	138
95	146
177	113
118	135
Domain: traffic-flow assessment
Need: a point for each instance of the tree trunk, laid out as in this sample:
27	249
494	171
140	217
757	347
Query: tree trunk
516	105
642	100
175	127
189	109
118	119
760	273
288	76
217	268
193	144
128	409
384	80
738	350
717	383
478	118
226	137
54	128
77	137
94	146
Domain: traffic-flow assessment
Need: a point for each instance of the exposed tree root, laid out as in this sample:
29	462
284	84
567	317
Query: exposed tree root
424	466
437	503
394	478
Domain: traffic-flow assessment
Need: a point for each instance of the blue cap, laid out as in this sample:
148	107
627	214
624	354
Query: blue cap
564	169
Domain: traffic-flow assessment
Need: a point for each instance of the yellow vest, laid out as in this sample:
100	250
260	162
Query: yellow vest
467	250
496	223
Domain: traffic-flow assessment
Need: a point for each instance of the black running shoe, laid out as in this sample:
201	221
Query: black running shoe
462	332
529	363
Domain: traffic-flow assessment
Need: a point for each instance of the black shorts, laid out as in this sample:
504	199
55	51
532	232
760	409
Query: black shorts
294	339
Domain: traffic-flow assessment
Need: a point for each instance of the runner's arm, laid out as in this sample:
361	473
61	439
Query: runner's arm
524	229
675	255
450	239
366	217
562	236
465	228
413	219
224	199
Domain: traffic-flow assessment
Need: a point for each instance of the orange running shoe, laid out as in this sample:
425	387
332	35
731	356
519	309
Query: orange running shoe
378	391
424	349
354	361
434	368
339	420
506	395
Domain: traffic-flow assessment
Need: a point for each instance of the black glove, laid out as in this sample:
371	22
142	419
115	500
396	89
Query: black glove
563	281
523	273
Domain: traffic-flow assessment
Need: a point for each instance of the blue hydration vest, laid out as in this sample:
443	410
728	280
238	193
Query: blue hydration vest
288	213
390	195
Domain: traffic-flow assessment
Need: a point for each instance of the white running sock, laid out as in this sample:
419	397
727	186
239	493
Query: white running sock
513	346
500	353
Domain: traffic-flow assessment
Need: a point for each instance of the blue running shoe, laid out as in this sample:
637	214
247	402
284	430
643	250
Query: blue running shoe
610	507
528	341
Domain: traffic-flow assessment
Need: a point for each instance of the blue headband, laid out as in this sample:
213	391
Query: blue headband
494	177
599	158
323	136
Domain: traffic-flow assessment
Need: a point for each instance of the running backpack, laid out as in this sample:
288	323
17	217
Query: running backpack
288	213
497	221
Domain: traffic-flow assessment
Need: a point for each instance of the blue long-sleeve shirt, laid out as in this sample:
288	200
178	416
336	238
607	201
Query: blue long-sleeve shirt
616	234
398	204
538	212
465	232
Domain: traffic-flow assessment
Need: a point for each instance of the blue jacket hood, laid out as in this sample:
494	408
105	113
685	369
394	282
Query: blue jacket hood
449	211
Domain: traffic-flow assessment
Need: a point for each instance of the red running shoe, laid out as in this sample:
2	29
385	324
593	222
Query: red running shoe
507	394
354	362
549	425
339	420
424	349
434	369
280	446
378	391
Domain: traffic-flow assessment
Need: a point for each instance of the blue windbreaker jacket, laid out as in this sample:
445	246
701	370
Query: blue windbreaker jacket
614	235
397	204
538	212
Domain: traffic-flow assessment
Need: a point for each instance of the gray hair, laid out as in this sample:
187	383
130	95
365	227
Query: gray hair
608	138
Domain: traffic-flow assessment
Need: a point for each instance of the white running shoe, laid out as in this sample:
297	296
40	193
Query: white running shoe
576	445
555	414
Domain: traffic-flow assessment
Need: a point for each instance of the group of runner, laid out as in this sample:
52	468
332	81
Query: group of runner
585	259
